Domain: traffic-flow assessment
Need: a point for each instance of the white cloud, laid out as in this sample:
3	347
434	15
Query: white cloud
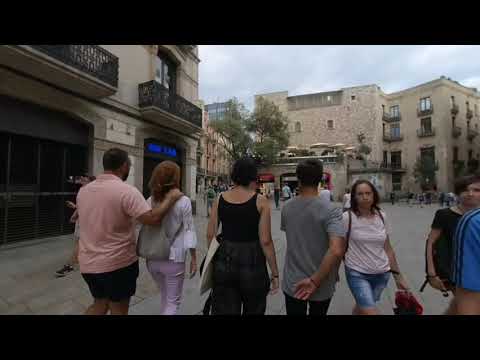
243	71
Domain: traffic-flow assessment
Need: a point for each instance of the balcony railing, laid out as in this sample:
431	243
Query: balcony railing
469	114
154	94
454	109
392	138
425	132
391	118
200	171
456	131
425	112
394	166
471	134
90	59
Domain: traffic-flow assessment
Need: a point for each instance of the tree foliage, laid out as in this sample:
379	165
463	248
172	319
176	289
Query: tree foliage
425	172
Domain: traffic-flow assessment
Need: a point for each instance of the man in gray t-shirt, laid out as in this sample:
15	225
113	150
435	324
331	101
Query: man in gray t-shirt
315	245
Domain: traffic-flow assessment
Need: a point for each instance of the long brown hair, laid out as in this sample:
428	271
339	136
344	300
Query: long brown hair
165	177
353	199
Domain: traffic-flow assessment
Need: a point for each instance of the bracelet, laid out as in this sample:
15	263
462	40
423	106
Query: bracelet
274	277
314	283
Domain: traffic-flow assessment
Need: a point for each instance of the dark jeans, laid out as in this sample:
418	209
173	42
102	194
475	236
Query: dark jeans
240	280
298	307
277	200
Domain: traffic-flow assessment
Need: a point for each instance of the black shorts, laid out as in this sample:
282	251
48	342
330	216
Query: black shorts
116	286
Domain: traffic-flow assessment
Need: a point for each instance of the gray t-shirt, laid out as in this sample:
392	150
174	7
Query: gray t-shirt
308	222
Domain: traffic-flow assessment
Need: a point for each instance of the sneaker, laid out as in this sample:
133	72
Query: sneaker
64	271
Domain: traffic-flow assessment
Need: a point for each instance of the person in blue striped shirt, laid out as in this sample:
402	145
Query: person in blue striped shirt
466	269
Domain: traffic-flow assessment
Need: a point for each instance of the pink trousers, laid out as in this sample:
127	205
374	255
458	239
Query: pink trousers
169	277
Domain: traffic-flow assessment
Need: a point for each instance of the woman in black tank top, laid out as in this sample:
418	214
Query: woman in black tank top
240	277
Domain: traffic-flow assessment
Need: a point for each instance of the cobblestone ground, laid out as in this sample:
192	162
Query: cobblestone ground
28	284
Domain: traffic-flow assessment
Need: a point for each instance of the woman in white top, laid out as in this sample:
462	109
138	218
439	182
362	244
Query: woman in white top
370	258
179	227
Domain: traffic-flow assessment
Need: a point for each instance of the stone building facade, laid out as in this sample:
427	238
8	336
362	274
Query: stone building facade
67	104
440	117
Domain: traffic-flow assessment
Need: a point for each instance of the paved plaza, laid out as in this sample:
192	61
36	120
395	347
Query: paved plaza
28	284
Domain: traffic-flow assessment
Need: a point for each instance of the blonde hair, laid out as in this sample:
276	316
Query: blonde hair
165	177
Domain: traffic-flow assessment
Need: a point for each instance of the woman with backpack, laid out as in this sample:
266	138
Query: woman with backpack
241	281
180	230
369	258
439	246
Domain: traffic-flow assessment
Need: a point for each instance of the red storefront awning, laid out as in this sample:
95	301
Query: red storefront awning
263	178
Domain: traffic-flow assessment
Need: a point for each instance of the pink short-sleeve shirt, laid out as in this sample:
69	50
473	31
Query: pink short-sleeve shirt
107	209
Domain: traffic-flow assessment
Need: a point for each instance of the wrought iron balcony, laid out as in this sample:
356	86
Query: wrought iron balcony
200	171
391	118
392	138
471	134
89	70
395	166
158	103
456	131
425	132
469	114
454	109
425	112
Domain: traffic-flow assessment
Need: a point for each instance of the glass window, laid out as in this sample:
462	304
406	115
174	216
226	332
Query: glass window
298	127
395	130
396	158
394	111
426	125
425	104
455	153
164	71
330	124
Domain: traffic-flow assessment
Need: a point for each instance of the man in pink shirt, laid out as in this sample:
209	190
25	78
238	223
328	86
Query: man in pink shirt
108	209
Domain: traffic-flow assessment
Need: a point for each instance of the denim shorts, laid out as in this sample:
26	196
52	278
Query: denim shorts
366	288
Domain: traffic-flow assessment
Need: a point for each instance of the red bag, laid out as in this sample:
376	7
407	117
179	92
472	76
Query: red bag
407	304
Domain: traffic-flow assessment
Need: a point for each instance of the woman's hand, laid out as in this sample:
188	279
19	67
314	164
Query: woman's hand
401	283
274	285
71	205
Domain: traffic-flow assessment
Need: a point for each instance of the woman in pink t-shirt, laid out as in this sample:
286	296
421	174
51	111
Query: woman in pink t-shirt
178	223
370	258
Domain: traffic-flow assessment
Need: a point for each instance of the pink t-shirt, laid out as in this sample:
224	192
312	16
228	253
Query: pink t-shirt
107	208
366	247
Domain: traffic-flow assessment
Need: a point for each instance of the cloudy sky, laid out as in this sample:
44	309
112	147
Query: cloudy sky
242	71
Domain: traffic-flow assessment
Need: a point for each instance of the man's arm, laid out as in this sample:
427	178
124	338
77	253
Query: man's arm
331	261
155	216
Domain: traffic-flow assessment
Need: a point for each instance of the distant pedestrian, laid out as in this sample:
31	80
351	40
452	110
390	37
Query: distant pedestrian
179	227
392	197
421	199
346	200
325	195
211	194
370	258
241	281
441	199
439	246
287	192
276	195
428	198
107	210
315	245
70	265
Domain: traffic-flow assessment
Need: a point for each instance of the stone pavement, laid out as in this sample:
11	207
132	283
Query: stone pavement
28	285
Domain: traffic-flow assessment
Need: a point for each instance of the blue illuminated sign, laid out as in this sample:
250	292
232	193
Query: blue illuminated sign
162	149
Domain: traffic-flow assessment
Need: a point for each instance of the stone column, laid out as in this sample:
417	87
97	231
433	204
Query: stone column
191	172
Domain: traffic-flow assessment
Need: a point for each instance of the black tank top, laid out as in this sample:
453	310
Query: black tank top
239	221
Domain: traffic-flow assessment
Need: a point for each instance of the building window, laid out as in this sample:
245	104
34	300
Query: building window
396	182
395	130
455	153
426	125
425	104
385	158
383	109
468	105
329	98
470	155
330	124
353	97
428	153
298	127
468	124
165	71
453	121
396	159
395	111
452	100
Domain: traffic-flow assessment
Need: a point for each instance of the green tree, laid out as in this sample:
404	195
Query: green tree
234	137
424	172
270	131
